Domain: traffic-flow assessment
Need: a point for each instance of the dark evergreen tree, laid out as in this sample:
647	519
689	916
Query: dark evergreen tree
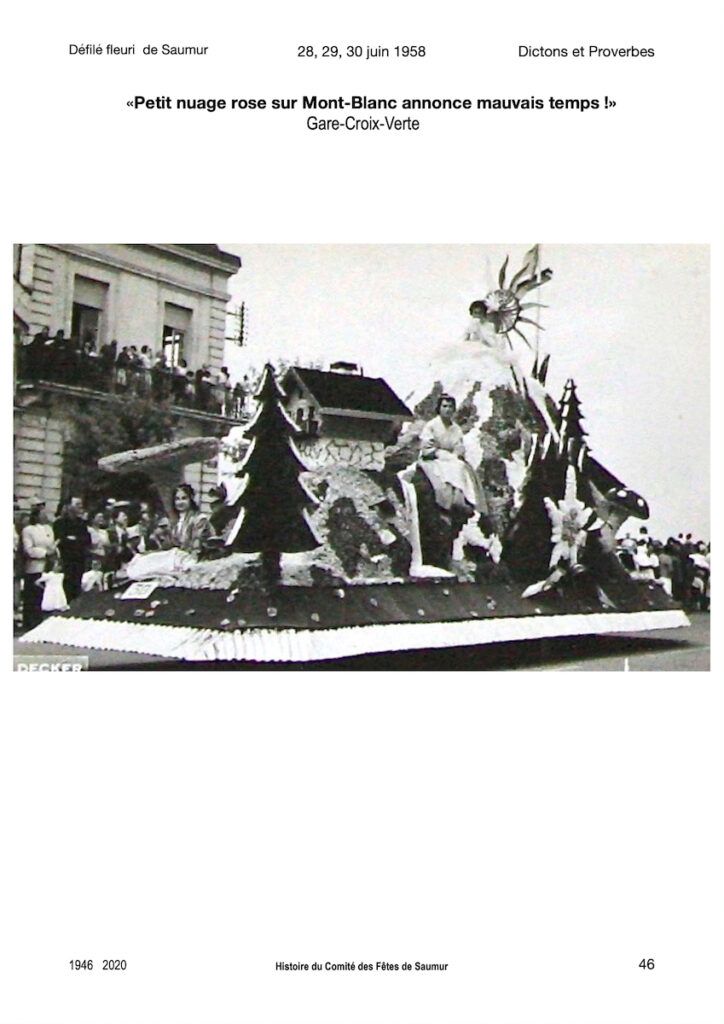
273	503
527	543
570	418
574	439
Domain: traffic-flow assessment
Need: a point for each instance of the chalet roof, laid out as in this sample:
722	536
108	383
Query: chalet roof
346	392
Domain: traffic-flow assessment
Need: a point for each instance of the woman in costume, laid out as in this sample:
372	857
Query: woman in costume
494	348
191	528
442	460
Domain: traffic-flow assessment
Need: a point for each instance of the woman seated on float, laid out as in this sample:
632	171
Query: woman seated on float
191	528
442	460
178	543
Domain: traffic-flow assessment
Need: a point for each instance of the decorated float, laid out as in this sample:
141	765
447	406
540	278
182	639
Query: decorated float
354	522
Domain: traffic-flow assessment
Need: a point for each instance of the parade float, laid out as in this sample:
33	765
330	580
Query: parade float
472	512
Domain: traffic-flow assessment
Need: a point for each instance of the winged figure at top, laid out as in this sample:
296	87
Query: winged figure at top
503	309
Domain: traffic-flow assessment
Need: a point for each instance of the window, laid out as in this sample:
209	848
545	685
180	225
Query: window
89	306
85	325
312	424
172	345
176	333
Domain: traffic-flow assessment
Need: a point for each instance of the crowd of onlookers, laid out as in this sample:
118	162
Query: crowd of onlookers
79	550
132	369
82	550
681	565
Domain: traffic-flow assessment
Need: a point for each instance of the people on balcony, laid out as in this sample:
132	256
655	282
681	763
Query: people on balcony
133	370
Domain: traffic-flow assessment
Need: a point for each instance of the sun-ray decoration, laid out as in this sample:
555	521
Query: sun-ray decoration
503	308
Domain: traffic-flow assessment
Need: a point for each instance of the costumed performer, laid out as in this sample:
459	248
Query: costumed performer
442	460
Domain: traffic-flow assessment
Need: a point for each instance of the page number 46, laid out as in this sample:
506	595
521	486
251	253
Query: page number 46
647	965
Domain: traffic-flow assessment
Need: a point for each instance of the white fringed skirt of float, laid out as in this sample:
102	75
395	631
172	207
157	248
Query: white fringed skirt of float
299	625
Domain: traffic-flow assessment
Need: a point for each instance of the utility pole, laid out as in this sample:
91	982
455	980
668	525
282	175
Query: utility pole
236	323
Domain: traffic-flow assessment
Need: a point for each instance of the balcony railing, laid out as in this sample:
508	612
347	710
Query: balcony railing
182	388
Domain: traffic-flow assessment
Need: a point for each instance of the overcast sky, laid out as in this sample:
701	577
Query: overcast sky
629	323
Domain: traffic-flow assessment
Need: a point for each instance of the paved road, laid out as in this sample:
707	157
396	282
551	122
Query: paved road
669	650
666	650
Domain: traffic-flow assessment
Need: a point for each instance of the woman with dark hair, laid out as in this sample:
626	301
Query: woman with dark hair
191	528
173	545
442	460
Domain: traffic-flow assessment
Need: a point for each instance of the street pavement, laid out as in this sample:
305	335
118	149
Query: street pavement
666	650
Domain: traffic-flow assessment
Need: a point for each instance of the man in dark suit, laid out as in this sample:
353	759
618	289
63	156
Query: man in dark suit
74	544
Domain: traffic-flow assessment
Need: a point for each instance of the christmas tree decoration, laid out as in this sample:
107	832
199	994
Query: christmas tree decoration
274	501
571	432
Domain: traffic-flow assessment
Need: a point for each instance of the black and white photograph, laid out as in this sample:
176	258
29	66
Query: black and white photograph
489	456
364	651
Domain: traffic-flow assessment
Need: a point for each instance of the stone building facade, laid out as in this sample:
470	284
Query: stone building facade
171	298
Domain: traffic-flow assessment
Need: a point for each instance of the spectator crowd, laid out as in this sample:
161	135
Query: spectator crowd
134	370
80	550
681	565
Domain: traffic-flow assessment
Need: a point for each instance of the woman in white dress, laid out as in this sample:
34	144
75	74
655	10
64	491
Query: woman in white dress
442	460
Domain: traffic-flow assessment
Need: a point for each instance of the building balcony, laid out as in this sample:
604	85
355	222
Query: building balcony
84	375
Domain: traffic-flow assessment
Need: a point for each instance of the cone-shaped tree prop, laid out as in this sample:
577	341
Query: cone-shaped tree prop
273	504
527	543
570	419
530	542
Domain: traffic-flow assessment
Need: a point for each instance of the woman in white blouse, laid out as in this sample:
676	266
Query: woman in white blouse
442	460
38	547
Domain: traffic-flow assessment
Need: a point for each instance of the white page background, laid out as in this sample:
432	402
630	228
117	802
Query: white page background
541	833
